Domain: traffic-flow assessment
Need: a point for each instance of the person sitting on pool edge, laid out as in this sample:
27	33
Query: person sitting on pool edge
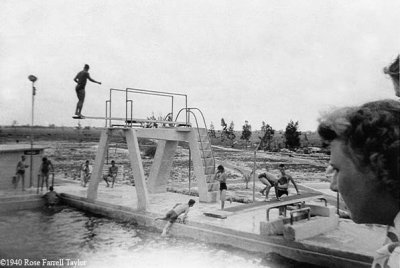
365	168
174	214
282	185
52	197
112	174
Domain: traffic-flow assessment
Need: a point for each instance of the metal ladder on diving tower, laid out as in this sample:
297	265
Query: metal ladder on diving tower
207	163
203	160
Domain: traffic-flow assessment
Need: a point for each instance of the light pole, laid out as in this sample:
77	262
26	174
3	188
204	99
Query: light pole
254	172
33	79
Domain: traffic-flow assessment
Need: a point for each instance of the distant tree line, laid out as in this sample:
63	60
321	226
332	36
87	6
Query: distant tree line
267	140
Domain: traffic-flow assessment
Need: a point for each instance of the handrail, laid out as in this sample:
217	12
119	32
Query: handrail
110	101
201	142
205	127
126	112
159	93
128	120
107	101
188	111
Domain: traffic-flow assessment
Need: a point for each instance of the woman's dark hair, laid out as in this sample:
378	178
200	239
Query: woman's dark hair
371	134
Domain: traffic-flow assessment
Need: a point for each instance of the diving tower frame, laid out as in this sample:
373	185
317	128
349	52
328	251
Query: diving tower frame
168	139
169	133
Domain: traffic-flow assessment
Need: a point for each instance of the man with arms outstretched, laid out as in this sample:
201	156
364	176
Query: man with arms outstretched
81	79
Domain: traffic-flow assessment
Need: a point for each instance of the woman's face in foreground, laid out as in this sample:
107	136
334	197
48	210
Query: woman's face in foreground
357	188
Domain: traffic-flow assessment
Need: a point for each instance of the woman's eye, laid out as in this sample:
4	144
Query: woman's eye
331	171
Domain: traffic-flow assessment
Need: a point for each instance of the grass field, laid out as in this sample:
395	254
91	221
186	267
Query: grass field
68	148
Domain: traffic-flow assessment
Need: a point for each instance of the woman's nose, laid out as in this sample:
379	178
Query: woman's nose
331	173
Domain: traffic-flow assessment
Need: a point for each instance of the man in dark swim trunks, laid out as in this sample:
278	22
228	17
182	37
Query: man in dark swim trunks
81	79
269	180
221	177
20	173
44	170
174	213
282	184
112	174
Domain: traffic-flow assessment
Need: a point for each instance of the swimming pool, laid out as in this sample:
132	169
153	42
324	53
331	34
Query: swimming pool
72	238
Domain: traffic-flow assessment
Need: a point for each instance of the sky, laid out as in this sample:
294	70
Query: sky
271	61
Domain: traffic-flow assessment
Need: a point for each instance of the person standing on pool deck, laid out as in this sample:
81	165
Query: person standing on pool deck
45	169
221	177
86	172
81	79
174	213
282	184
20	172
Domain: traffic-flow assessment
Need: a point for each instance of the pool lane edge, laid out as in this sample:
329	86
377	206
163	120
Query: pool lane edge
208	233
20	202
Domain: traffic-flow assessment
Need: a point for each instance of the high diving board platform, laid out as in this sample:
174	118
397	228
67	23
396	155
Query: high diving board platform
135	120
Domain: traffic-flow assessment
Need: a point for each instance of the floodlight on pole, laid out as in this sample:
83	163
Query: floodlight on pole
33	79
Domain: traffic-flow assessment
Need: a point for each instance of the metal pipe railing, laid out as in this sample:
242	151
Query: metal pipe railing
160	93
201	142
110	102
188	111
205	127
126	112
130	101
107	102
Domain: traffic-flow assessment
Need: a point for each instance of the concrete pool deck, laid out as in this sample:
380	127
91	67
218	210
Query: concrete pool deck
349	245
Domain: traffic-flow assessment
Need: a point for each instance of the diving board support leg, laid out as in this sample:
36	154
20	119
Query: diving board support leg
161	168
137	168
96	176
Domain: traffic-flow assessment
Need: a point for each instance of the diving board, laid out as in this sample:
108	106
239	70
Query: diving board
135	120
219	214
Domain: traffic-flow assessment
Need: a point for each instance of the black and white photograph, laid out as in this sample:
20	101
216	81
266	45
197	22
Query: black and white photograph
148	133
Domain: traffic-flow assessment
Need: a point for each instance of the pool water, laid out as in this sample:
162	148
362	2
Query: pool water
79	239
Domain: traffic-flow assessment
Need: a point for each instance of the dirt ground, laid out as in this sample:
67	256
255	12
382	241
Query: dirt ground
68	156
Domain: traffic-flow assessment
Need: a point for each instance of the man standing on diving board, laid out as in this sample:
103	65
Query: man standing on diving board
81	79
